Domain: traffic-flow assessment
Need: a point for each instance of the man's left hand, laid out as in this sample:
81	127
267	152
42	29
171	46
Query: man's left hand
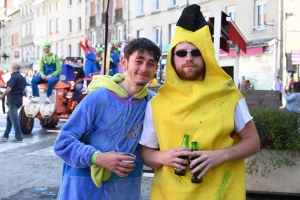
48	77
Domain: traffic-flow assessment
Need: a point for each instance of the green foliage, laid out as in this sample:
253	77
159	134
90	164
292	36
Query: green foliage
278	130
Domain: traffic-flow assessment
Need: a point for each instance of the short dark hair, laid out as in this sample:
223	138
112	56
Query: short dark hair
278	76
141	45
296	87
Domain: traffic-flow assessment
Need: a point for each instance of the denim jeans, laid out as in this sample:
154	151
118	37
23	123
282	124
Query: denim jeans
13	119
77	92
38	80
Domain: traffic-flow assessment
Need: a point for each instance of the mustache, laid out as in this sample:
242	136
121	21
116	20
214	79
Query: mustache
189	64
143	74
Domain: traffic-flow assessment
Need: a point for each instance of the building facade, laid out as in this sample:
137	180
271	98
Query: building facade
270	27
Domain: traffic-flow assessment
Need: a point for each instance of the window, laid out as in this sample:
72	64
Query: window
155	35
44	10
260	15
140	7
57	49
79	50
51	26
38	53
70	26
155	5
93	38
37	12
70	50
51	8
70	2
140	33
43	29
171	31
57	25
119	33
38	30
172	3
31	28
231	12
57	5
79	23
93	8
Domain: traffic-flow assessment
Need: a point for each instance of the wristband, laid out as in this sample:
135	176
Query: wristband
94	157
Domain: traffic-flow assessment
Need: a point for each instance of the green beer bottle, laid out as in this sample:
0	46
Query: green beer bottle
194	177
185	143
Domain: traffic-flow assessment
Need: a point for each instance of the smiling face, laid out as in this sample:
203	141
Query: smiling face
140	67
188	68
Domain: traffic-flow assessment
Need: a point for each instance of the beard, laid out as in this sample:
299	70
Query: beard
140	83
192	74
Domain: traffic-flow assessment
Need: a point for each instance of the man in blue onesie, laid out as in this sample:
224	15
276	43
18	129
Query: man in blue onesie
109	120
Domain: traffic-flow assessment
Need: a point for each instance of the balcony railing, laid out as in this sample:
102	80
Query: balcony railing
118	14
92	21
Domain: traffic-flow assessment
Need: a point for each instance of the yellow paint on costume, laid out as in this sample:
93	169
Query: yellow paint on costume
205	111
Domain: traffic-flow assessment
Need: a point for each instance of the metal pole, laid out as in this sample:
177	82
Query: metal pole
105	40
217	32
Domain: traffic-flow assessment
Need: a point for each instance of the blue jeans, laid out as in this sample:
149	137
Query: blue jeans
77	91
38	80
13	119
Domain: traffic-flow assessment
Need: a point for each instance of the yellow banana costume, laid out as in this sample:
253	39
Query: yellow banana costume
202	109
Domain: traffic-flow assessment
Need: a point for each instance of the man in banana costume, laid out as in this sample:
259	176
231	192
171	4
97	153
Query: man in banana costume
199	99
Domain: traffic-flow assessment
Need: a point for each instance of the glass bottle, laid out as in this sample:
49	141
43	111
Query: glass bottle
194	177
185	143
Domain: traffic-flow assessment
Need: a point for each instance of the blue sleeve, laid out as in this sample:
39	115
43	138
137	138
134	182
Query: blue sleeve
12	82
67	145
289	98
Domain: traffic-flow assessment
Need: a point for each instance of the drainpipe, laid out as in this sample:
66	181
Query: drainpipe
283	35
84	17
46	20
127	20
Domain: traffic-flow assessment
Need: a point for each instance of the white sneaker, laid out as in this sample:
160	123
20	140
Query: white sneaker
47	100
35	99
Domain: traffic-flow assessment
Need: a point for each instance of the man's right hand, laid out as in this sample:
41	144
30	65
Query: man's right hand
113	162
44	77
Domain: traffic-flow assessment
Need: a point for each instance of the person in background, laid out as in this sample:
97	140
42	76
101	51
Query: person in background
14	92
2	89
78	82
243	84
114	58
153	82
289	86
99	53
293	98
108	121
66	61
50	69
28	78
80	62
198	98
249	85
90	57
278	84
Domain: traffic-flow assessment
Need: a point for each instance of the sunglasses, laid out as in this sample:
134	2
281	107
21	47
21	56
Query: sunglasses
183	53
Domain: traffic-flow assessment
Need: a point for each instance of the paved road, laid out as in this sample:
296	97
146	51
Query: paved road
30	170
